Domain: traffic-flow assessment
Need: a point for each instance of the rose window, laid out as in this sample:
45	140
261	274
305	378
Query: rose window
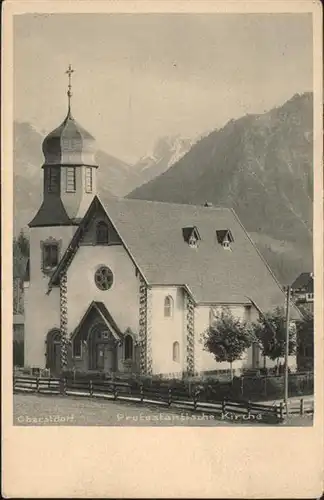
104	278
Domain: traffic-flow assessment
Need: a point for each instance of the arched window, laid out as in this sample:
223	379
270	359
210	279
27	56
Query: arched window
102	233
176	352
128	347
168	307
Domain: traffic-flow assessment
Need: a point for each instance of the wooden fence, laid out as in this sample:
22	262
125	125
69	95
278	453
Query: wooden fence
163	396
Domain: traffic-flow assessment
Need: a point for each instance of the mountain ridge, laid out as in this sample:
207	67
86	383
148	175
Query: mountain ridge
261	166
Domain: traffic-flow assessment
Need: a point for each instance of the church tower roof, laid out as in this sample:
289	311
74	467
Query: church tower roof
69	172
69	143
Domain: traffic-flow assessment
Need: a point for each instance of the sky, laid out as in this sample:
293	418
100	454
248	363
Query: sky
139	77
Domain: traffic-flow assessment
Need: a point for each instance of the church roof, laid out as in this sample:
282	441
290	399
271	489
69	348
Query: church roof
152	235
69	144
51	213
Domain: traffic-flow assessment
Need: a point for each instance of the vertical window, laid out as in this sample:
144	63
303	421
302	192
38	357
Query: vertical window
176	352
168	307
102	233
50	255
70	179
52	180
128	347
77	347
88	180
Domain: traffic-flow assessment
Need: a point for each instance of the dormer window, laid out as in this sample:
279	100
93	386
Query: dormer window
191	236
193	242
225	238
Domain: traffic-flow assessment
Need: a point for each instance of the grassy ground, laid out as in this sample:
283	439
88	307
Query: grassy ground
31	409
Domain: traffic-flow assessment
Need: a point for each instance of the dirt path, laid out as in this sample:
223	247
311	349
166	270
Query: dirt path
32	409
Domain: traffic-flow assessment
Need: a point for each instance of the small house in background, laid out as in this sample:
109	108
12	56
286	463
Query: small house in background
303	290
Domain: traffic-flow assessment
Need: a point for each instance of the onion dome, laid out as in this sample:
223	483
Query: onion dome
69	144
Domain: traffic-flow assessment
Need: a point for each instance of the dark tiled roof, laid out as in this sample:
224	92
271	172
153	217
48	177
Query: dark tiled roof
188	231
51	213
222	234
152	234
305	281
69	144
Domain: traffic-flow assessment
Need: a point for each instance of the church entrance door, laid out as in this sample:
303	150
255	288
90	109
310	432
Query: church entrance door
102	349
105	357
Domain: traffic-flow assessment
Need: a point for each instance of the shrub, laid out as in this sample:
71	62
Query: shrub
227	338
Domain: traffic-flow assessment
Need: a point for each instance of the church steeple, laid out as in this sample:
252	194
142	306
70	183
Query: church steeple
69	171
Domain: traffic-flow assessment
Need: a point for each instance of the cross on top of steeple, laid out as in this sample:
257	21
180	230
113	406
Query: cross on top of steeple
69	72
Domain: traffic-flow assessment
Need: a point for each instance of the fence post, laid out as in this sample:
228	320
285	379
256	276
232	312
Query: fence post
242	385
195	399
248	408
90	388
63	386
37	384
281	410
142	393
265	385
115	392
301	406
224	406
169	396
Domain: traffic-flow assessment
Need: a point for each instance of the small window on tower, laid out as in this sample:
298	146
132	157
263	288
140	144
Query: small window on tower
50	255
52	180
88	180
70	179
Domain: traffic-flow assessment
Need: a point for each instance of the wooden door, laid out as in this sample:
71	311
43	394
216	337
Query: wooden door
100	356
108	358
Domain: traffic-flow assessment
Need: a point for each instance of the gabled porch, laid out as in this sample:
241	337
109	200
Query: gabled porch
98	344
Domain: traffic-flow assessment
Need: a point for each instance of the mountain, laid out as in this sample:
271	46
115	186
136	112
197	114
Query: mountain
167	151
262	166
27	174
114	175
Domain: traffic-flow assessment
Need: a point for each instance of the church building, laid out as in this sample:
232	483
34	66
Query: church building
121	285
